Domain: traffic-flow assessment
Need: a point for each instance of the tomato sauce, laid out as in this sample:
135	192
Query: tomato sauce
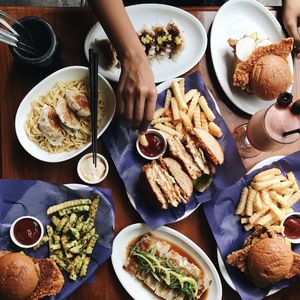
27	231
155	147
292	227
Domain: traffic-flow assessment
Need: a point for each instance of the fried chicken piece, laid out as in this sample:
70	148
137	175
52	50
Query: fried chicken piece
243	69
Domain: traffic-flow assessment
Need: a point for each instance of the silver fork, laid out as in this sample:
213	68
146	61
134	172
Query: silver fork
12	37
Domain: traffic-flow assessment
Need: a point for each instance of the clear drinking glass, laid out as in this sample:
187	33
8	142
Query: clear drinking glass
265	131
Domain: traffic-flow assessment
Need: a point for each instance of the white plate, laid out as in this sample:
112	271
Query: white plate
234	19
221	264
152	14
42	88
135	288
160	88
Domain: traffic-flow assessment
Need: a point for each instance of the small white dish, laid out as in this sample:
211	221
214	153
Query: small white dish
152	157
13	237
297	215
193	31
88	173
138	290
42	88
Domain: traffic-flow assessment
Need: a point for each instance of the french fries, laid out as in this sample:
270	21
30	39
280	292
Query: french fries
184	110
268	199
71	238
143	140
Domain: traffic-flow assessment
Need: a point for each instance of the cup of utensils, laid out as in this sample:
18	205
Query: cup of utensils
37	44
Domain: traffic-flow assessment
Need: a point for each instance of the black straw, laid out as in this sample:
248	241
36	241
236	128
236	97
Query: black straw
291	132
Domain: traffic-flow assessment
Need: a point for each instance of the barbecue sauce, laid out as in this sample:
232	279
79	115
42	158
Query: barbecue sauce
155	147
27	231
292	227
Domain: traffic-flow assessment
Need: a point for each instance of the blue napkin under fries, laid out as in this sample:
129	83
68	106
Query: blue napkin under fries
32	197
230	234
120	141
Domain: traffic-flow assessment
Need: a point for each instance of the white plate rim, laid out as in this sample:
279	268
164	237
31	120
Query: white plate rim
227	88
30	96
142	228
221	263
110	74
160	88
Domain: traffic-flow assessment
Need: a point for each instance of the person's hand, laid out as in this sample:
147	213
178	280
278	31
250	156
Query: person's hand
136	93
291	21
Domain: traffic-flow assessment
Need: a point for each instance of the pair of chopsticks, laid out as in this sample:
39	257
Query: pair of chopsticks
93	67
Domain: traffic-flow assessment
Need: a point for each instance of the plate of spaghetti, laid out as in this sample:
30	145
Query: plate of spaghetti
53	120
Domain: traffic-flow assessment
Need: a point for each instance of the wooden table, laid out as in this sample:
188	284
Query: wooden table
72	25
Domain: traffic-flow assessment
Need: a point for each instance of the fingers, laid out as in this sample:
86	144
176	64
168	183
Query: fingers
119	97
149	110
139	111
292	29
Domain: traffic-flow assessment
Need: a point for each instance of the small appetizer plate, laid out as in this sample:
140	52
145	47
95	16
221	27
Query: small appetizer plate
194	34
134	286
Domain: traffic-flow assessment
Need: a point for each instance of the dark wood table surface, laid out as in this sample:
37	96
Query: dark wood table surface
71	26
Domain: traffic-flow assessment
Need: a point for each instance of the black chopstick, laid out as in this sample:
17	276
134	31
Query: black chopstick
93	67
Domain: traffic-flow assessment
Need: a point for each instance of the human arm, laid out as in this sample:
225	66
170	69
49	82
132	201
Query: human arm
136	93
291	20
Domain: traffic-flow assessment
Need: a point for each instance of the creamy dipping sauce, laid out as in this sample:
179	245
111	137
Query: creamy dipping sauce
89	172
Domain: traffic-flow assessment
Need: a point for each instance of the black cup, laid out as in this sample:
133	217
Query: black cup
44	40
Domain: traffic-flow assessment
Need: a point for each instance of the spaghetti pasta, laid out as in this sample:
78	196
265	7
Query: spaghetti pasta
70	142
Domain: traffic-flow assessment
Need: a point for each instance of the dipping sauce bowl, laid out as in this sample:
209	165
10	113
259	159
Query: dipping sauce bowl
157	145
87	171
26	231
291	225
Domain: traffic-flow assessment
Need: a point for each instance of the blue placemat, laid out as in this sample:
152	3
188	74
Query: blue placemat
31	197
120	141
229	233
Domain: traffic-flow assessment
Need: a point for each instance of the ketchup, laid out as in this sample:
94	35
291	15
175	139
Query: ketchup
27	231
292	227
155	147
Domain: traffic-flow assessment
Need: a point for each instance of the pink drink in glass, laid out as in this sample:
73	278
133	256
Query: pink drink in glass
266	127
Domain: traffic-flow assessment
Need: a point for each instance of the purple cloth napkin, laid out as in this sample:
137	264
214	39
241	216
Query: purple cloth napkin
31	197
229	233
120	141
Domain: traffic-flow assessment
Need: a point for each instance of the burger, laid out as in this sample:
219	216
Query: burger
266	258
270	77
23	277
261	67
169	181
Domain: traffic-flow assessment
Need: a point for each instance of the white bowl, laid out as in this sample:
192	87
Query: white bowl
12	235
293	241
154	157
42	88
80	173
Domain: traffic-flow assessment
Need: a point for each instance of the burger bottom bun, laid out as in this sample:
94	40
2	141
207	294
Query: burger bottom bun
270	77
18	276
269	260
